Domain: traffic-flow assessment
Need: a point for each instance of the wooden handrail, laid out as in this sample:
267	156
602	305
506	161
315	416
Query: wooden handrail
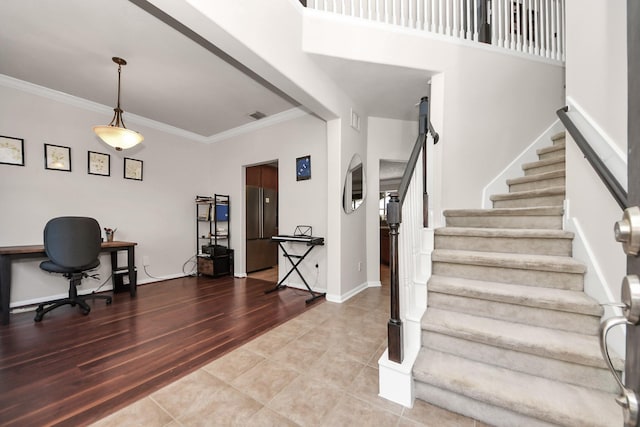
609	180
394	218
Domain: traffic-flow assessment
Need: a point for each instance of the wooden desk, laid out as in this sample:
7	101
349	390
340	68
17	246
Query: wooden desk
9	253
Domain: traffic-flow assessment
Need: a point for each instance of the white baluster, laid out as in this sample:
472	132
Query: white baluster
554	30
454	18
419	15
492	23
441	17
475	20
499	22
525	26
563	23
558	31
468	23
434	28
361	9
403	14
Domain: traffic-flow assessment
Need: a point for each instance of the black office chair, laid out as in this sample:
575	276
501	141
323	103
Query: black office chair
73	246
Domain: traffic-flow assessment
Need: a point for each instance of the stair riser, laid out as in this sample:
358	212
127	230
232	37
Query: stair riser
537	185
547	318
560	141
542	169
552	222
551	155
520	245
553	369
530	202
548	279
481	411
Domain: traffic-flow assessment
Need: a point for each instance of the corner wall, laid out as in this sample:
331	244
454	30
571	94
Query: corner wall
299	202
157	212
596	81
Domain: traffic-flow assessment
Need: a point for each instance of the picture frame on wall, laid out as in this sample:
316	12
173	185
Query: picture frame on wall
11	151
99	163
303	168
132	169
57	157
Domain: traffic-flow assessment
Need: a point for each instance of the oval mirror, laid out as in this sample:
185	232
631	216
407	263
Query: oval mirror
354	185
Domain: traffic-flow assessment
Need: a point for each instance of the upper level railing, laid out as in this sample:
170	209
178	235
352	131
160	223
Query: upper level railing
534	27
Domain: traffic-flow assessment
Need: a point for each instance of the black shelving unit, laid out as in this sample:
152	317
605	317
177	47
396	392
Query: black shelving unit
214	254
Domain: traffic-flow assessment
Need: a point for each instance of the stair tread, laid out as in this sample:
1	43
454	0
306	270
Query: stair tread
552	343
545	162
551	263
545	210
550	191
531	296
558	136
551	148
536	177
539	233
537	397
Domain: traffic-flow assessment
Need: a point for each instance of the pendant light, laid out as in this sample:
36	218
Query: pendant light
116	133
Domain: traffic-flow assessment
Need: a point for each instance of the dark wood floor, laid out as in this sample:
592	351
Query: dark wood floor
73	370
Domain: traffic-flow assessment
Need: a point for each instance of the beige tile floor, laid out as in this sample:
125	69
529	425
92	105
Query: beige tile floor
318	369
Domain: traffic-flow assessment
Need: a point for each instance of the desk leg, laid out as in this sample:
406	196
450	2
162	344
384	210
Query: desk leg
131	264
5	287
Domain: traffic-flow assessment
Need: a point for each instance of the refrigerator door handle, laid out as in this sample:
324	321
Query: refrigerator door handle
261	213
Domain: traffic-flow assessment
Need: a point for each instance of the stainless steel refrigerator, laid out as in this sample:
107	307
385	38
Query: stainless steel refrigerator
262	223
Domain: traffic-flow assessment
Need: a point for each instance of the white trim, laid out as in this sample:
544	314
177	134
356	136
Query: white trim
342	298
498	185
595	283
364	22
608	151
290	114
396	379
85	104
374	284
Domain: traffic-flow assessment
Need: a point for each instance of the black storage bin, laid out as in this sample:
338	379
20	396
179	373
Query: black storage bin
121	280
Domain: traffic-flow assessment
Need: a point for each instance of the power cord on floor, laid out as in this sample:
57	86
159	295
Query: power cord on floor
194	269
95	276
144	267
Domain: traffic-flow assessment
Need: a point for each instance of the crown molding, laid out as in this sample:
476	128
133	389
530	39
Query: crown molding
85	104
284	116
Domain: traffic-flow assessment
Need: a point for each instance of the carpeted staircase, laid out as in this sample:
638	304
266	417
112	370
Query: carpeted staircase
509	337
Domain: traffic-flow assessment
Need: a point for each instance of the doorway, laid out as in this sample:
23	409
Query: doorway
261	193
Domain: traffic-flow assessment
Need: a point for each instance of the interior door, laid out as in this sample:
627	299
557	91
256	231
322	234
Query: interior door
632	366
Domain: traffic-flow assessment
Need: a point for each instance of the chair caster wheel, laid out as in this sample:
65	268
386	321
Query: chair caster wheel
38	317
108	302
85	312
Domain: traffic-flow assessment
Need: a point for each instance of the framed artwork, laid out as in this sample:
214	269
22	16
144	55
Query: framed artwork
303	168
57	157
133	169
99	164
11	151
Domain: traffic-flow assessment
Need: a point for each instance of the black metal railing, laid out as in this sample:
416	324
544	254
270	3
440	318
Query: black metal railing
394	218
615	188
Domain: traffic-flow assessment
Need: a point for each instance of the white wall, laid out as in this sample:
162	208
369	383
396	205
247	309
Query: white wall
300	202
389	140
597	86
495	103
266	37
157	212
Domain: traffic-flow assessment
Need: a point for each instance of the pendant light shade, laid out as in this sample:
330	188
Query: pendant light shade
116	133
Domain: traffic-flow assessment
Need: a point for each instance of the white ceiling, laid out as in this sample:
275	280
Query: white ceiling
67	45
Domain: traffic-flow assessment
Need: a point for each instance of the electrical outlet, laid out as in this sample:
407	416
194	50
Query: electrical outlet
145	261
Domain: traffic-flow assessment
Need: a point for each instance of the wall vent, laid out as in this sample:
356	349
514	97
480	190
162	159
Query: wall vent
258	115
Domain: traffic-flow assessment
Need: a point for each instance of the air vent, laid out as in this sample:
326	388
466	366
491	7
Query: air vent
258	115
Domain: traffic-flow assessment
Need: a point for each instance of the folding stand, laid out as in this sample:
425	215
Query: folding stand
311	242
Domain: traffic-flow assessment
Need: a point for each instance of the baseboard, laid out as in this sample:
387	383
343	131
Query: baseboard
344	297
595	284
395	380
